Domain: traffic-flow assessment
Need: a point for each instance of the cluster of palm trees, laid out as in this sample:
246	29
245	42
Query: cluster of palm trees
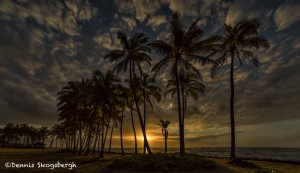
88	108
25	136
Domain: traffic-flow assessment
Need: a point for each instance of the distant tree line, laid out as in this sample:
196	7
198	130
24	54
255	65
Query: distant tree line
23	136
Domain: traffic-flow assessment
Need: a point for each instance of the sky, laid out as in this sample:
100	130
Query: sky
45	44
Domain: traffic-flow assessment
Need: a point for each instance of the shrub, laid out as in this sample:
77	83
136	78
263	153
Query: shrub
263	171
162	162
243	163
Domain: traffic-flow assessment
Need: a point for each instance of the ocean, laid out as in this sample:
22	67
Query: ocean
282	154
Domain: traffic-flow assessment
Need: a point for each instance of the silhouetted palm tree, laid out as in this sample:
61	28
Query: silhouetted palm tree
133	54
68	103
130	105
145	85
238	42
43	133
189	85
184	47
106	91
115	125
164	130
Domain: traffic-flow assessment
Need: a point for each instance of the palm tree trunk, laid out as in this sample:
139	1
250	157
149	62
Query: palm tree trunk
51	143
102	138
183	114
88	141
75	131
121	134
182	150
144	95
111	133
106	131
77	143
99	143
166	145
80	137
135	142
138	109
56	143
232	151
96	138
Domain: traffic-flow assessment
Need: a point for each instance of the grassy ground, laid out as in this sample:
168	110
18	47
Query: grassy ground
92	164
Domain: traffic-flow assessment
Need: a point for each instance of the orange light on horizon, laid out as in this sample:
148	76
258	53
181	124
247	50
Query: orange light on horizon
149	138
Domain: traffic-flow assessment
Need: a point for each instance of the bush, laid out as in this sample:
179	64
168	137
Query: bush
162	162
263	171
243	163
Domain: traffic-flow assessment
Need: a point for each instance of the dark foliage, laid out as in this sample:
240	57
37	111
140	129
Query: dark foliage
263	171
162	162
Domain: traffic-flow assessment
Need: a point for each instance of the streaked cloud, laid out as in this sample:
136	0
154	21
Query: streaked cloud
45	44
286	15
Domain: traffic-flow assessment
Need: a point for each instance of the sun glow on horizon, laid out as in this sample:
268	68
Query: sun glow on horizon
149	138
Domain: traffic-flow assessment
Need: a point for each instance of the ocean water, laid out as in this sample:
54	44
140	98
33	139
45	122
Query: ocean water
284	154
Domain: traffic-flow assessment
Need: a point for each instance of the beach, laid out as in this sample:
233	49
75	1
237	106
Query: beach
92	163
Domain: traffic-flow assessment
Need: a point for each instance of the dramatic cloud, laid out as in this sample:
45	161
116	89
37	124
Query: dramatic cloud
156	21
45	44
286	15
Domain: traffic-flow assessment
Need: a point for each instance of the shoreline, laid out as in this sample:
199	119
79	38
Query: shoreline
258	159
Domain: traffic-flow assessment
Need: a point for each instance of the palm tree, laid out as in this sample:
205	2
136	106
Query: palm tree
25	131
181	51
147	90
117	119
164	130
43	133
130	105
133	54
67	105
106	91
238	42
189	86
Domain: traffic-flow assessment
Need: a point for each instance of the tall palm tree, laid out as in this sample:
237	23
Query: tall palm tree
189	86
67	105
182	49
145	85
133	54
106	91
117	119
164	130
238	42
130	105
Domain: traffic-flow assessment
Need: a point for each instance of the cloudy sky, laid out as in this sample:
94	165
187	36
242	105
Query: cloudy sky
45	44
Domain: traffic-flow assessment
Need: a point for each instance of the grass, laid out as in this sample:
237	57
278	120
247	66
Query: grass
110	162
90	163
162	162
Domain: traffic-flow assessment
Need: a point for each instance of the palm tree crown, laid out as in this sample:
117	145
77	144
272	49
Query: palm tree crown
182	49
133	54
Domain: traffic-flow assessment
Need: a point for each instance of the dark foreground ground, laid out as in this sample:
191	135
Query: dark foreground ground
91	163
